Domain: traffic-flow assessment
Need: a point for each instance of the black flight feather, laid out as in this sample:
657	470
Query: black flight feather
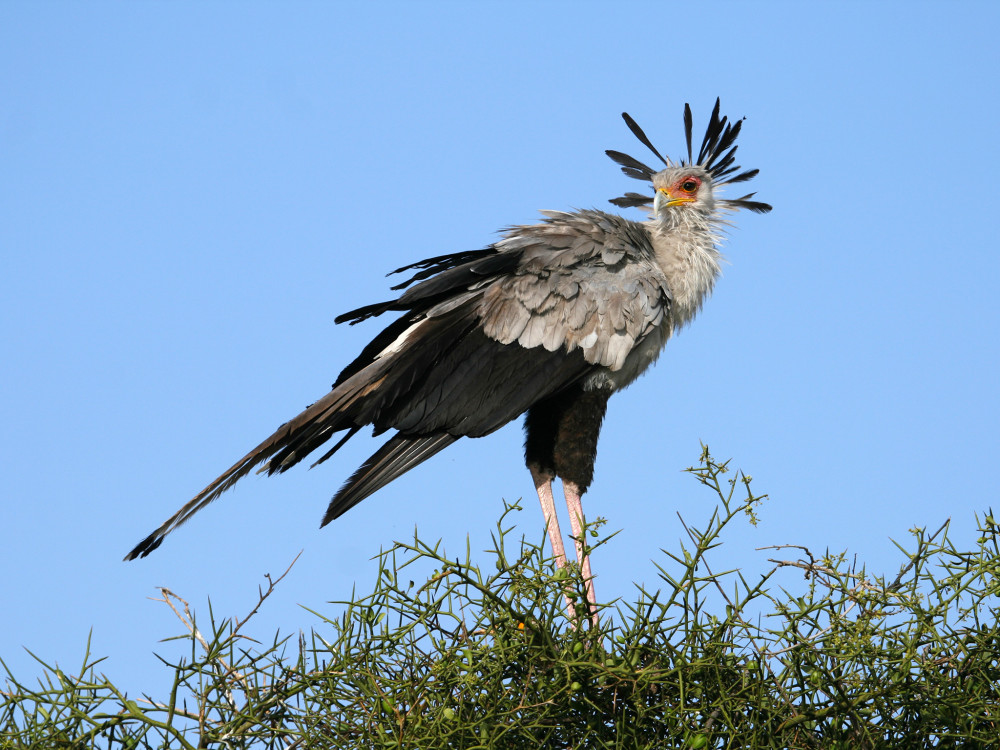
450	273
448	260
340	444
396	457
439	263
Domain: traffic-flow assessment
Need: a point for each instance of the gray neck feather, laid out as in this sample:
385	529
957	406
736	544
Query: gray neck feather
684	242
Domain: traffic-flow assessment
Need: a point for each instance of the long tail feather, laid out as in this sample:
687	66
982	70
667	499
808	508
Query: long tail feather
322	418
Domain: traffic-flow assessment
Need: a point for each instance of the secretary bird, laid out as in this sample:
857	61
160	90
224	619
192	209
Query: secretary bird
548	321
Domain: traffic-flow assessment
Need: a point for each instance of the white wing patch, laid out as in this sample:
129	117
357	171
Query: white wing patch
400	342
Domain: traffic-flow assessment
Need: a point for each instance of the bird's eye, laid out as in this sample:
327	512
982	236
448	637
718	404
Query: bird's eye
689	186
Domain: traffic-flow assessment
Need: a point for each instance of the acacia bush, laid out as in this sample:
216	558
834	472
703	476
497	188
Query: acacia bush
486	656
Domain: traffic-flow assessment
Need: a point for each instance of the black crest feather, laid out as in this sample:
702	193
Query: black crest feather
717	155
688	128
631	200
637	132
634	166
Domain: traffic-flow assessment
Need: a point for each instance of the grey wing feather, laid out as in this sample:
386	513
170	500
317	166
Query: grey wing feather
586	281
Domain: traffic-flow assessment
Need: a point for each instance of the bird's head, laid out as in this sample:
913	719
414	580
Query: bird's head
690	184
687	188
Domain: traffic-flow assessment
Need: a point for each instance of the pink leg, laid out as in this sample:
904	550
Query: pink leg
574	504
543	485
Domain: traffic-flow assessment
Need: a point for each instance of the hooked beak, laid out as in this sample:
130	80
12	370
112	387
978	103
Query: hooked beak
663	199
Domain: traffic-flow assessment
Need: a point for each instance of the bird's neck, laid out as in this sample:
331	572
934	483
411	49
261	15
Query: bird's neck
684	243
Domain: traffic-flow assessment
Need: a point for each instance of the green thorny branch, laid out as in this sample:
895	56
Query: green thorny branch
444	652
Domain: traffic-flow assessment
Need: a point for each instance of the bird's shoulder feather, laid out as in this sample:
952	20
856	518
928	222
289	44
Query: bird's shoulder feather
586	280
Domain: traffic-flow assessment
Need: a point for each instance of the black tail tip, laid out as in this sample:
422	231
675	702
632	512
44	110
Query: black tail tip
144	547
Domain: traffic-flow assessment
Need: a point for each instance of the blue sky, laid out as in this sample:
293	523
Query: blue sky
191	193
